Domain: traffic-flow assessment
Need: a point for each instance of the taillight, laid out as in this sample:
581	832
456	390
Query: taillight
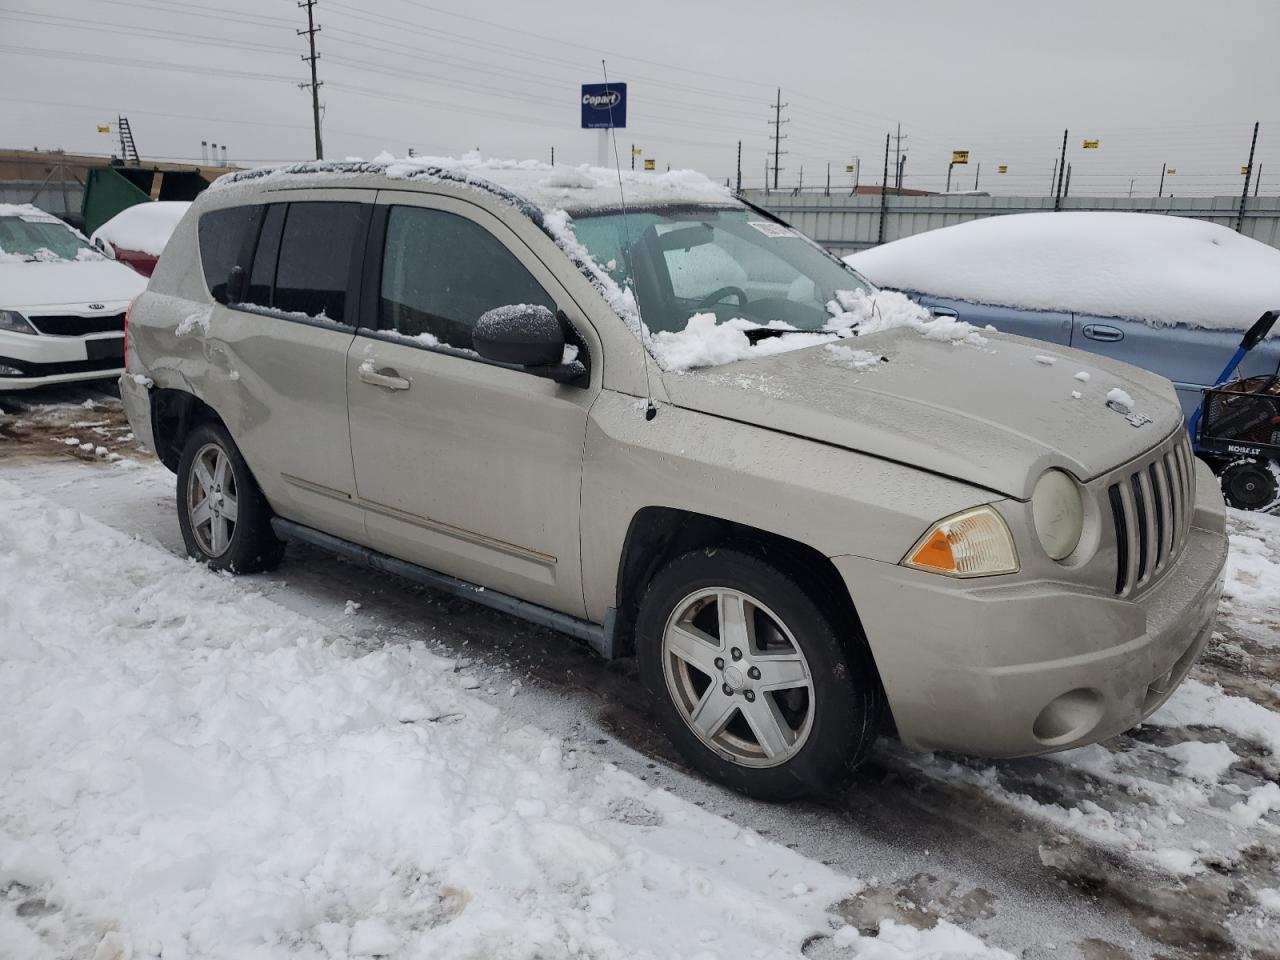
127	314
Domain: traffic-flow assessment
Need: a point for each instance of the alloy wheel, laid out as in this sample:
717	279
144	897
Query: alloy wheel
738	677
212	500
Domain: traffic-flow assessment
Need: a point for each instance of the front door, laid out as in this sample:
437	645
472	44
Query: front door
463	466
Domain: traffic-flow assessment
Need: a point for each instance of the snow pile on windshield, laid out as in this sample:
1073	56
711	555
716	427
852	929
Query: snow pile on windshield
862	314
1161	269
145	227
704	342
190	769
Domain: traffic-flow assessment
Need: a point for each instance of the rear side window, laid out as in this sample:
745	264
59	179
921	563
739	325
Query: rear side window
314	265
221	234
440	272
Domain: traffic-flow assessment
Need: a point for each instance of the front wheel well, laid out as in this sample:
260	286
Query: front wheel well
658	535
174	414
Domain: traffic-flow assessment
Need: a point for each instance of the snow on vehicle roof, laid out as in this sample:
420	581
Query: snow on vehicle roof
24	210
539	185
1161	269
145	227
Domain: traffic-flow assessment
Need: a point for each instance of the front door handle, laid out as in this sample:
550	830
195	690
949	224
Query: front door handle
1100	331
386	377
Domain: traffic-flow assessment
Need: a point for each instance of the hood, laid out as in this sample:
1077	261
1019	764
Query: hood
66	283
996	415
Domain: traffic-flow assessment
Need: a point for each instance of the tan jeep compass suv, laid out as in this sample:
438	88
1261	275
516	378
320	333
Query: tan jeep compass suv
644	413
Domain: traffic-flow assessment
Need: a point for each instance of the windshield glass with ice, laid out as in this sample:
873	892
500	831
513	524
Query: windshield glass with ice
731	262
39	239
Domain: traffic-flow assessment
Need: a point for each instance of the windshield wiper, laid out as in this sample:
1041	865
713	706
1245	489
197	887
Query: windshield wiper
756	334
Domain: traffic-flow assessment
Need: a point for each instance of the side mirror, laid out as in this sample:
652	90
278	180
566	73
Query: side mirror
522	334
104	248
235	285
526	335
1255	334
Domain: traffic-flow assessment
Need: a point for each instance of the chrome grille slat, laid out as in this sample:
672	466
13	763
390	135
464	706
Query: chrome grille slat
1151	505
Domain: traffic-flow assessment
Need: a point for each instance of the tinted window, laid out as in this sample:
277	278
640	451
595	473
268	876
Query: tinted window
315	258
440	272
221	234
262	276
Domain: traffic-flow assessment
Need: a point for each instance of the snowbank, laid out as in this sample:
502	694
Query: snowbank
145	227
1162	269
191	770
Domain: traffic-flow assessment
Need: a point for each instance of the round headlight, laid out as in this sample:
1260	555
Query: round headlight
1058	512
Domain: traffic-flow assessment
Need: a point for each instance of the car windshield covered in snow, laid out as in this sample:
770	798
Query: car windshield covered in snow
733	262
32	238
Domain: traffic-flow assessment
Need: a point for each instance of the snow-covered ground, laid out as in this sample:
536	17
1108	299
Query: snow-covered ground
326	763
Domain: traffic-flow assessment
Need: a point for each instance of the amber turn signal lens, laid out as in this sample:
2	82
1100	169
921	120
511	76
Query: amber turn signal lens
975	543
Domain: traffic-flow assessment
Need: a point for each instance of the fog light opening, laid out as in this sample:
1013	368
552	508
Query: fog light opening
1069	717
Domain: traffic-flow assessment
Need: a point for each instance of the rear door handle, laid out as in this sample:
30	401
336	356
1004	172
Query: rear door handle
1100	331
386	377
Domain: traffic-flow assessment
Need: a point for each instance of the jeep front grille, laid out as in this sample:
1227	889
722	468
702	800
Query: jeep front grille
1151	506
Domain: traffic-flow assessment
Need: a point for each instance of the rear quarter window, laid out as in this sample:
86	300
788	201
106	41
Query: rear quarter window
221	236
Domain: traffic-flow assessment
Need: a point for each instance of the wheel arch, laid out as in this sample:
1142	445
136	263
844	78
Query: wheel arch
174	414
657	535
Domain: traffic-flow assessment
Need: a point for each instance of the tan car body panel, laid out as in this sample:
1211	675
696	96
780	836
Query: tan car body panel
533	486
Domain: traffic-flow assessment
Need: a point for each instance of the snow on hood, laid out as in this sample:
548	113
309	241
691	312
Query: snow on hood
546	187
67	284
1162	269
145	227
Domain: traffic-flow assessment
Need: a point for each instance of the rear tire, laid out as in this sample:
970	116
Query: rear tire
224	517
755	683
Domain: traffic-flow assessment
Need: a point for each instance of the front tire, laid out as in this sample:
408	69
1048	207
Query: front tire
224	517
752	679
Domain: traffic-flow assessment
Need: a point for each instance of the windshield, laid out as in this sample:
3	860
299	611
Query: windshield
732	262
32	238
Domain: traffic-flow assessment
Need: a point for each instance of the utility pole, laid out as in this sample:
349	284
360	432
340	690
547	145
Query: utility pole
633	156
1131	187
1248	172
1257	181
553	156
899	158
977	173
884	192
778	136
827	191
1062	166
739	190
1163	168
1066	187
310	34
800	185
1054	175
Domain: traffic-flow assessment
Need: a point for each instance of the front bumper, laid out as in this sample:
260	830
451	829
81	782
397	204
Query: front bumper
1026	668
40	360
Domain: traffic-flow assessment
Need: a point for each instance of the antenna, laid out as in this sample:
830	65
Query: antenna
651	408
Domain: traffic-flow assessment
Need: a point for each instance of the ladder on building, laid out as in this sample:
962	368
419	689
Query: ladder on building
128	149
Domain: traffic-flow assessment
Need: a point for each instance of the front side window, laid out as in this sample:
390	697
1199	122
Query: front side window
441	272
40	237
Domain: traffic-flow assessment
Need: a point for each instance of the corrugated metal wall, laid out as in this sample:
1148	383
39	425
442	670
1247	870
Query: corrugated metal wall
845	224
58	198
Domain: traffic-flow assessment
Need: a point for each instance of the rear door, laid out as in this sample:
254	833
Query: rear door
278	354
1052	326
463	466
1191	357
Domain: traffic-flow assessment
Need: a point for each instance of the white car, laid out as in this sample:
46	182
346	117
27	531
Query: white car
62	303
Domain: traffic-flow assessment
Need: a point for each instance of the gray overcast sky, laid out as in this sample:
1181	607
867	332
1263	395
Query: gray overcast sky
1175	81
